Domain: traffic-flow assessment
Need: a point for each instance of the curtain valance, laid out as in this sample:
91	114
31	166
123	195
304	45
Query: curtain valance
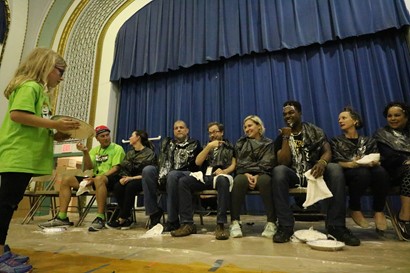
169	34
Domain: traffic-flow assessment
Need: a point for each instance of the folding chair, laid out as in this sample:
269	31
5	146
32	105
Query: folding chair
39	188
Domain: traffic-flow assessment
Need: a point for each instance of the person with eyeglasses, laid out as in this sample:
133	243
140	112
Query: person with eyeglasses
255	160
218	162
103	159
27	139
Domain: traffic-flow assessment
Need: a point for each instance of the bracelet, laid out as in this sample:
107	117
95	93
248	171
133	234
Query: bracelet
324	162
285	137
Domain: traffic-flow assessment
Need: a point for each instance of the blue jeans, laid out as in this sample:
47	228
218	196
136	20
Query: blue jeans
284	178
150	188
173	179
188	185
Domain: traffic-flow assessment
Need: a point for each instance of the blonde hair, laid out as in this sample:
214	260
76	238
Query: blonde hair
36	67
258	121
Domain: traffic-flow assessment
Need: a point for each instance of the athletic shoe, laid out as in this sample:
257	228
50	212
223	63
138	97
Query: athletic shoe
344	235
235	230
56	222
116	224
20	268
282	234
19	258
8	265
270	230
97	225
184	230
404	227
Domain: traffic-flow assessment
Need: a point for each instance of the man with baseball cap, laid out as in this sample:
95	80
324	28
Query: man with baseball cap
103	160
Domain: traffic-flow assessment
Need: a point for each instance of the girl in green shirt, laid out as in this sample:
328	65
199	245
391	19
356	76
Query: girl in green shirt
26	135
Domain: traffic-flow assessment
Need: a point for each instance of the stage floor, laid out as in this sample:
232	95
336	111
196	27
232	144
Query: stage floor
77	250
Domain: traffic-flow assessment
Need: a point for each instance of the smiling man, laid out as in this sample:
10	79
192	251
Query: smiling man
300	147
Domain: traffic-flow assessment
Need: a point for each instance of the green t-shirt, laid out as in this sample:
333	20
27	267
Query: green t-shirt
104	159
23	148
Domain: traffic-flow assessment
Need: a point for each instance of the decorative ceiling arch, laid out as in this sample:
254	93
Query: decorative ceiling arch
5	22
79	45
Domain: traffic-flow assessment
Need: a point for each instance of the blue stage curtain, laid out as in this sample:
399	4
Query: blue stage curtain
167	35
364	72
203	61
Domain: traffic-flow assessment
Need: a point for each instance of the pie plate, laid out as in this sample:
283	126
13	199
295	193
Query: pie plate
84	131
306	235
326	245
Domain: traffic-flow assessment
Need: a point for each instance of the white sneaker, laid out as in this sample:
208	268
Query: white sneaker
235	230
270	230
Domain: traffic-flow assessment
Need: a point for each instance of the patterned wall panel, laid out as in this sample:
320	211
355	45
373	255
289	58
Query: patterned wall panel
76	92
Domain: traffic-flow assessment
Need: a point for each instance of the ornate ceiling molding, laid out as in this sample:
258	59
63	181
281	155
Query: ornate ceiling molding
79	46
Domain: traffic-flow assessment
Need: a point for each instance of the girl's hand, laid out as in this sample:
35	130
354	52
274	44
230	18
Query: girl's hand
66	124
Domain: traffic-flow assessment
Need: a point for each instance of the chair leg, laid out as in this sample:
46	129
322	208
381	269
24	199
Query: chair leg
36	205
393	219
86	210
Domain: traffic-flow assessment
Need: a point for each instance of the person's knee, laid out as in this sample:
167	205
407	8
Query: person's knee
264	182
149	171
172	175
363	172
240	181
279	174
334	177
100	181
173	178
183	183
69	182
333	169
222	183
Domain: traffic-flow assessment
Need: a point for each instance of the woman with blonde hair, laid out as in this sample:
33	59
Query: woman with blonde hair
255	160
26	138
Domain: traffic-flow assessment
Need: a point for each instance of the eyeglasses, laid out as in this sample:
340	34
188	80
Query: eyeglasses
213	132
60	70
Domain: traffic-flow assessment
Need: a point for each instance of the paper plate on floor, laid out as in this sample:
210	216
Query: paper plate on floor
326	245
85	130
306	235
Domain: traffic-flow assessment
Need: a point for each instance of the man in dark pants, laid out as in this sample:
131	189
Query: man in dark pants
218	162
176	160
301	147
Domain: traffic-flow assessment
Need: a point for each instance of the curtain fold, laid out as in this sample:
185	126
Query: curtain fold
363	72
167	35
